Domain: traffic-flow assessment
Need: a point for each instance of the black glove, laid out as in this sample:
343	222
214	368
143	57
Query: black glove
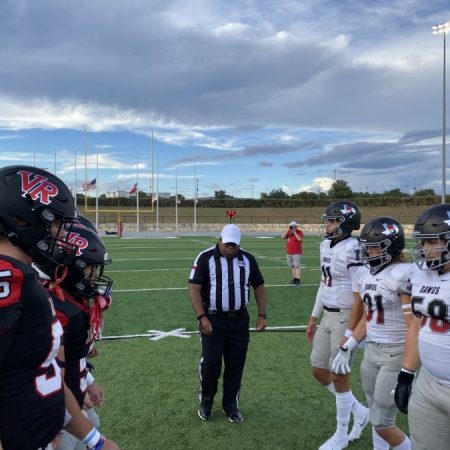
403	390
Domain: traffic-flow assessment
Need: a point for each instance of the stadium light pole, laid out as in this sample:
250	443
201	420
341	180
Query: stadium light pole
443	29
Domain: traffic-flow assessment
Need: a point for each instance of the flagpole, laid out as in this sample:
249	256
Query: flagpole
85	168
96	197
176	200
157	195
153	173
195	197
75	189
137	189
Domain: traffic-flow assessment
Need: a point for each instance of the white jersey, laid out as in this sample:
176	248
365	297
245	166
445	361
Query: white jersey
380	294
336	264
431	300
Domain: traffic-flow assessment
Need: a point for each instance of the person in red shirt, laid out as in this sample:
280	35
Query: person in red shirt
294	238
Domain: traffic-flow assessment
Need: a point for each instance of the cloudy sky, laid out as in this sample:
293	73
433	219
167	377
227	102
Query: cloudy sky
246	95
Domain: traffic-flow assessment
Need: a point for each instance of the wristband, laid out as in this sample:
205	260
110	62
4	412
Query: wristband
201	316
411	372
94	440
263	315
351	344
99	444
348	333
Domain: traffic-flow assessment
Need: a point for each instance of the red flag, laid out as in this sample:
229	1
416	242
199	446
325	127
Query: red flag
133	190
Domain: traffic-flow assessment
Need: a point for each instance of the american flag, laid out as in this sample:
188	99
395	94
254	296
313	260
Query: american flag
133	190
91	185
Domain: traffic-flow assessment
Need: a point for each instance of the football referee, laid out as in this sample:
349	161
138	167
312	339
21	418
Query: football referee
219	289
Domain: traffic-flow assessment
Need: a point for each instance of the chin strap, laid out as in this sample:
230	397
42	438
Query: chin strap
54	287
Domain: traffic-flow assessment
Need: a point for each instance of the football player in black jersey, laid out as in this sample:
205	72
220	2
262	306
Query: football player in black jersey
36	212
79	300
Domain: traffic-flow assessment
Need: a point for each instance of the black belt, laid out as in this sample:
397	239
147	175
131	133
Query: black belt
326	308
233	313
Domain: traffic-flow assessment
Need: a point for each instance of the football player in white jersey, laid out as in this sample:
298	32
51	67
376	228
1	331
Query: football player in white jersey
428	338
384	288
339	259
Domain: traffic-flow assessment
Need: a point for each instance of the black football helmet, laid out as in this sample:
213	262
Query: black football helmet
386	234
432	224
347	216
35	208
85	276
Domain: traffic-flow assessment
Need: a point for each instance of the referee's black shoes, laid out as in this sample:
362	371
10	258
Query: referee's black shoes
233	414
204	410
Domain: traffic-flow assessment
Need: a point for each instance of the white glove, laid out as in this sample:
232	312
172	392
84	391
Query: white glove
341	363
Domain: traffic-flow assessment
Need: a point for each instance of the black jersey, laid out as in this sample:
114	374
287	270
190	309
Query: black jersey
74	318
31	389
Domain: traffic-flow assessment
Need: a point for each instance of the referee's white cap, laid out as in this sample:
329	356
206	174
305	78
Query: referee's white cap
231	233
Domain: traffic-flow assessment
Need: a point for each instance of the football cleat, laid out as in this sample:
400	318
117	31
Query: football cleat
336	442
359	423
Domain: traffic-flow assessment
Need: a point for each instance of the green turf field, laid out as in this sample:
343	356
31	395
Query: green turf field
152	386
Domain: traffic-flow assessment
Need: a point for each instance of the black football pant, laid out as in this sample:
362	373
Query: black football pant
229	340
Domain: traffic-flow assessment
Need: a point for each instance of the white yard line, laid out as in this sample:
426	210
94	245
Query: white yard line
184	269
185	288
180	332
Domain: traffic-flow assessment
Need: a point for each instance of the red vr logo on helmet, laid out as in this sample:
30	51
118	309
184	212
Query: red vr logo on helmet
349	210
80	242
37	187
390	229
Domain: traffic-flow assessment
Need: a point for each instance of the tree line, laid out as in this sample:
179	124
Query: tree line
340	189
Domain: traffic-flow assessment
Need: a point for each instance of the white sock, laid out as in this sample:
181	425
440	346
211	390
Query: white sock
405	445
344	401
331	388
357	409
378	442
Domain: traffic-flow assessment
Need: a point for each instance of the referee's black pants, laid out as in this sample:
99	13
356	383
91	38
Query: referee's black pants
229	340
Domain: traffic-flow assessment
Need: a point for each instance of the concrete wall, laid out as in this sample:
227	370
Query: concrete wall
310	229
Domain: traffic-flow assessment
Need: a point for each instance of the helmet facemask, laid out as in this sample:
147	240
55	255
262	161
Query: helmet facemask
377	261
85	276
88	280
55	248
337	230
435	257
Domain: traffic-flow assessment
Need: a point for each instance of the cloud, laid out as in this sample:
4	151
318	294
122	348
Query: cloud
210	65
303	88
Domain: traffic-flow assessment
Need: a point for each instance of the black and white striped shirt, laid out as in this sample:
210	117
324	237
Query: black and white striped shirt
225	281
